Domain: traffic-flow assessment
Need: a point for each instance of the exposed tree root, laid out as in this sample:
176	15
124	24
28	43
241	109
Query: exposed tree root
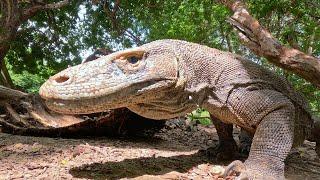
15	118
26	114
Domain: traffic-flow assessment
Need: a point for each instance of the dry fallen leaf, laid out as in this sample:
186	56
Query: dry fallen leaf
64	162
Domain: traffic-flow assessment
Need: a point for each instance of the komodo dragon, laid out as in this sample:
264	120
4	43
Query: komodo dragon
168	78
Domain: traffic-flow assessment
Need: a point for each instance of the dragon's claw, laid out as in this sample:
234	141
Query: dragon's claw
247	172
236	166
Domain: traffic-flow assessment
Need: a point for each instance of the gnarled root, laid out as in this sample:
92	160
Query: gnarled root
27	114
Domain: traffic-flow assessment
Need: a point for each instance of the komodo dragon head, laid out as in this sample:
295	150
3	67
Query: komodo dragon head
121	79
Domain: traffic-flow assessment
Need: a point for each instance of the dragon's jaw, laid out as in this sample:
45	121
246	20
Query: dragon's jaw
136	92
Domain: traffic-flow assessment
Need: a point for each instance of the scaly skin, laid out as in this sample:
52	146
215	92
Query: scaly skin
169	78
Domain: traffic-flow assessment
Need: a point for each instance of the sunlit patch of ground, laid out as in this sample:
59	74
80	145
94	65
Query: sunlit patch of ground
172	154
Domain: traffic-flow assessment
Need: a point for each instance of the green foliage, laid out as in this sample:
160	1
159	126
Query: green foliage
27	81
200	115
50	38
196	21
311	93
30	82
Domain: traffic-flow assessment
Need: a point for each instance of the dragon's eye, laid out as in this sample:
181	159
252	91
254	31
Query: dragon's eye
133	59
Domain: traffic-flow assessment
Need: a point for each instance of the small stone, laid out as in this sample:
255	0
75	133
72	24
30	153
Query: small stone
217	170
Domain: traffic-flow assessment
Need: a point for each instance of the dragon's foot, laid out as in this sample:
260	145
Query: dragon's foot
225	150
250	170
244	148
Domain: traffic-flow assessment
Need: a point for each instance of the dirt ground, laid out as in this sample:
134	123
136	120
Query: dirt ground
171	154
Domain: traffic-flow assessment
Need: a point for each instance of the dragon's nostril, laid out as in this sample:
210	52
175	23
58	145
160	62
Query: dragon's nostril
62	79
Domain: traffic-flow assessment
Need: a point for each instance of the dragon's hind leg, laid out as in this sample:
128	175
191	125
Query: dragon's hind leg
227	147
245	141
272	114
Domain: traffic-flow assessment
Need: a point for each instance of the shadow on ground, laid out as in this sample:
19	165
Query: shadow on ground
116	142
296	167
130	168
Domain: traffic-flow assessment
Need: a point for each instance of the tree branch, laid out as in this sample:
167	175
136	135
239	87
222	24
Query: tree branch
112	14
30	12
135	38
262	43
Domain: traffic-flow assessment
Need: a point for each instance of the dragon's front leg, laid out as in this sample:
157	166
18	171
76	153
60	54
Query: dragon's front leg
272	114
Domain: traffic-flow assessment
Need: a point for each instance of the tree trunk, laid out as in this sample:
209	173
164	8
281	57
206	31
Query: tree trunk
5	75
5	78
262	43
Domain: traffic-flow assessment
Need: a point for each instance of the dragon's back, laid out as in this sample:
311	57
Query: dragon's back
240	72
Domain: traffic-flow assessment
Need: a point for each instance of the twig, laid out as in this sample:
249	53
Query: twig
8	125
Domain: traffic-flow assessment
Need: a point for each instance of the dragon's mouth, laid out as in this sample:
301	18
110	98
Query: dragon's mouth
79	108
135	93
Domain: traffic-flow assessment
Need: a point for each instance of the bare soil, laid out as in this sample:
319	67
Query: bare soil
171	154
